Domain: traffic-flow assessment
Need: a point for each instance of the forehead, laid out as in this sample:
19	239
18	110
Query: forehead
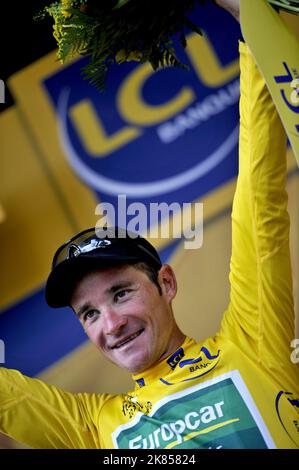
101	280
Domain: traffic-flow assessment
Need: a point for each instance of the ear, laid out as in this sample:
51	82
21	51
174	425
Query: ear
167	281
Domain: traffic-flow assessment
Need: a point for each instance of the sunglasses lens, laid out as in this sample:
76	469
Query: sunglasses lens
72	248
90	240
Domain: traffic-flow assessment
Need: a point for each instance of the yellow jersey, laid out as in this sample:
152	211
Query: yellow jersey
237	389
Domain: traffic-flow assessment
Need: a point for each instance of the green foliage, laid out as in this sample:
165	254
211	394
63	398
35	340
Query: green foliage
292	6
114	31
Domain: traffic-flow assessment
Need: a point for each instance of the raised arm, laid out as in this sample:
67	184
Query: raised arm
43	416
260	317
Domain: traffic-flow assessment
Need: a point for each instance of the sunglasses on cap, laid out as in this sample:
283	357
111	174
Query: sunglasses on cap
94	249
109	239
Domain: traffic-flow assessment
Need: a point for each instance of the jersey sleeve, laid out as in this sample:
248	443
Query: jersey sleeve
260	316
43	416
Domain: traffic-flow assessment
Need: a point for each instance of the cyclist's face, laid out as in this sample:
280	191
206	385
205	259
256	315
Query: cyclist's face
125	316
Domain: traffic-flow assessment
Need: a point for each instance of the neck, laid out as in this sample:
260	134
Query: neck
176	338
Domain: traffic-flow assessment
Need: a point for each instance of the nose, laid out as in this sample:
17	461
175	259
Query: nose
113	321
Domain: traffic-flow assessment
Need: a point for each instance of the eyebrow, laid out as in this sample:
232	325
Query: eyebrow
118	286
82	310
111	290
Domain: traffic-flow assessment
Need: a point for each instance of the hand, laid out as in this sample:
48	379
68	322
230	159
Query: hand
232	6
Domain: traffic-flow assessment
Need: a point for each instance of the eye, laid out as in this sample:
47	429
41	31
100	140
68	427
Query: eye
90	315
121	294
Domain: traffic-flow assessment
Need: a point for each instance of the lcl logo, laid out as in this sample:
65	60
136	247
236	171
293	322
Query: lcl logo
98	135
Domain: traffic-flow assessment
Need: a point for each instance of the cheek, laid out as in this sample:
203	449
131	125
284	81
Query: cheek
93	333
141	305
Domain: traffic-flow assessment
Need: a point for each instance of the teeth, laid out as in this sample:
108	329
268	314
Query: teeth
128	339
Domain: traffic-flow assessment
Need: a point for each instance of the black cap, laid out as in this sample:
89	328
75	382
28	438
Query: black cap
94	249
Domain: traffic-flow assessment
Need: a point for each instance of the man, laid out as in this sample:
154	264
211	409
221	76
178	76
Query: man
237	389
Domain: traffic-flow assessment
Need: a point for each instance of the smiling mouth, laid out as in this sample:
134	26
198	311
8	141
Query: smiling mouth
128	340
